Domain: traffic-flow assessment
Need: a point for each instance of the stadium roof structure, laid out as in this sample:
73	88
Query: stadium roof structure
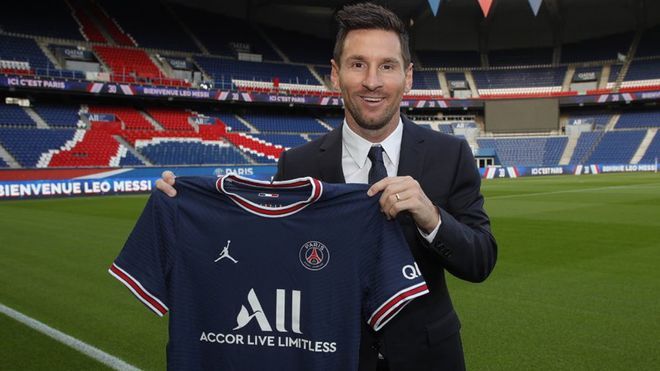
460	24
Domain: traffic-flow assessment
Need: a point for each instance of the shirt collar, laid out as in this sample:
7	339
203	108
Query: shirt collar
358	147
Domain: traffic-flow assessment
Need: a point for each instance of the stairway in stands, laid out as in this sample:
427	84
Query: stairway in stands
255	146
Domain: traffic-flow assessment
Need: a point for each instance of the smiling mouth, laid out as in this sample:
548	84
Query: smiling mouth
372	99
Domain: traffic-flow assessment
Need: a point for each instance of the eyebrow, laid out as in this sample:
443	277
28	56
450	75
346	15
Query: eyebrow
392	61
362	59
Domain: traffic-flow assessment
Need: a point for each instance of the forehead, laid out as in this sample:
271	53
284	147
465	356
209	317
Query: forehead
372	44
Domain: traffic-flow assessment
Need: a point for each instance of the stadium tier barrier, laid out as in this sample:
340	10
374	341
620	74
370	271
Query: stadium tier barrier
16	184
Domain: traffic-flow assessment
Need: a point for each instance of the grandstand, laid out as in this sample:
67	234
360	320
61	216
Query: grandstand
96	91
263	59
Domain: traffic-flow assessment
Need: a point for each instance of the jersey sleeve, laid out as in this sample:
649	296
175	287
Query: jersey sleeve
392	278
144	262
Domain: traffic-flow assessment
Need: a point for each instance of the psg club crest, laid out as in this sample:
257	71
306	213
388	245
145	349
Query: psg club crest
314	255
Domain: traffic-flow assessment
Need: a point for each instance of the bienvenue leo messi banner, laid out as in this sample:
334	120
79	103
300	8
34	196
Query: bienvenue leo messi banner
107	88
493	172
101	182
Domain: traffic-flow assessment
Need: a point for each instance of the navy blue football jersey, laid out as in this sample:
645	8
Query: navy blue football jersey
267	276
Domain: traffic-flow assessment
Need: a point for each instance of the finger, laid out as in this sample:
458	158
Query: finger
165	188
400	187
168	177
381	184
398	207
390	198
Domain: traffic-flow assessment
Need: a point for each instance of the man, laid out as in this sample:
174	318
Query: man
431	188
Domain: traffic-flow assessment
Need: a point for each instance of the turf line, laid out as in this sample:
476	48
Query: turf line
82	347
577	190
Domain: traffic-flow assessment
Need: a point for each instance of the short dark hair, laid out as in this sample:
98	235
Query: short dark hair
369	16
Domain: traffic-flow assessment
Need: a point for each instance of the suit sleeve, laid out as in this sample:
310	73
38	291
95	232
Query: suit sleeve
390	279
280	167
144	262
464	240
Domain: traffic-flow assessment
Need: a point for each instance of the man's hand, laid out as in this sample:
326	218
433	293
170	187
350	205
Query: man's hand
166	183
403	193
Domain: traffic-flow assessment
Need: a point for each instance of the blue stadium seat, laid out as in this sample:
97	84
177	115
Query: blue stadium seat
519	78
616	147
130	160
189	151
11	115
228	118
59	115
585	144
333	121
643	70
614	72
426	80
3	163
27	50
224	71
638	119
280	123
27	145
455	76
653	151
283	140
526	151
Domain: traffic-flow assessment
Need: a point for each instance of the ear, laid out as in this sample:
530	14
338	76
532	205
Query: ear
409	77
334	74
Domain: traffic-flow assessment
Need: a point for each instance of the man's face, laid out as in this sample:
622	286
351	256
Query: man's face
372	78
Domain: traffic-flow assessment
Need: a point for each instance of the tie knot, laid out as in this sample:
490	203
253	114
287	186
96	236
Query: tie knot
376	154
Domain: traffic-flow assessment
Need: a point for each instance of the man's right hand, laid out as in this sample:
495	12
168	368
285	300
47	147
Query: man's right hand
166	183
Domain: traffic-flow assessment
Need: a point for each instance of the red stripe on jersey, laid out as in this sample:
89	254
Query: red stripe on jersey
145	296
277	185
395	301
272	211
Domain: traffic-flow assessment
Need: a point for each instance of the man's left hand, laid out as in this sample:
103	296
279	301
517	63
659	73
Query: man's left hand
403	193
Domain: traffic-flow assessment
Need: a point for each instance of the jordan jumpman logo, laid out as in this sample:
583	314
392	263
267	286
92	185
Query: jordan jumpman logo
225	253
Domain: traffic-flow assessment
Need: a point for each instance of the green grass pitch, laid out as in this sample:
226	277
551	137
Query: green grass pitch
577	283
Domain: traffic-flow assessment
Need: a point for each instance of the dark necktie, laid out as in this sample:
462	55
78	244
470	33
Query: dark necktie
377	171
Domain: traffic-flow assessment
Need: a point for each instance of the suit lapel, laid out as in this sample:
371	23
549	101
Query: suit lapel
411	160
330	158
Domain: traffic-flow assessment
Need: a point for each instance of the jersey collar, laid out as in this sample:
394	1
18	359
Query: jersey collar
271	212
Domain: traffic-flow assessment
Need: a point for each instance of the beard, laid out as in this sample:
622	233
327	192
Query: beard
365	123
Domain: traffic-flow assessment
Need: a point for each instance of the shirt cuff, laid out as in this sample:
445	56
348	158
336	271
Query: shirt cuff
431	235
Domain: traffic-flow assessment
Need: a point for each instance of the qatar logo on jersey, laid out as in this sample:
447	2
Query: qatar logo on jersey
314	255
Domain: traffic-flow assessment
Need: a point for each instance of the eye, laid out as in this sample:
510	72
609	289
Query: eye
357	65
387	67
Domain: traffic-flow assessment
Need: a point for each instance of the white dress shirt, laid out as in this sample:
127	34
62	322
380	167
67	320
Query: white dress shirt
356	165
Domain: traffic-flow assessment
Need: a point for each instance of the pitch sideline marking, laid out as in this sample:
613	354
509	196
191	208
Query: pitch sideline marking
571	191
82	347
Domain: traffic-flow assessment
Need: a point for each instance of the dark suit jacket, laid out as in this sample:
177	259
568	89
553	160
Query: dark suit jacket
425	334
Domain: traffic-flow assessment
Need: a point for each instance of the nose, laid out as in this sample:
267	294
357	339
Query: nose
372	79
